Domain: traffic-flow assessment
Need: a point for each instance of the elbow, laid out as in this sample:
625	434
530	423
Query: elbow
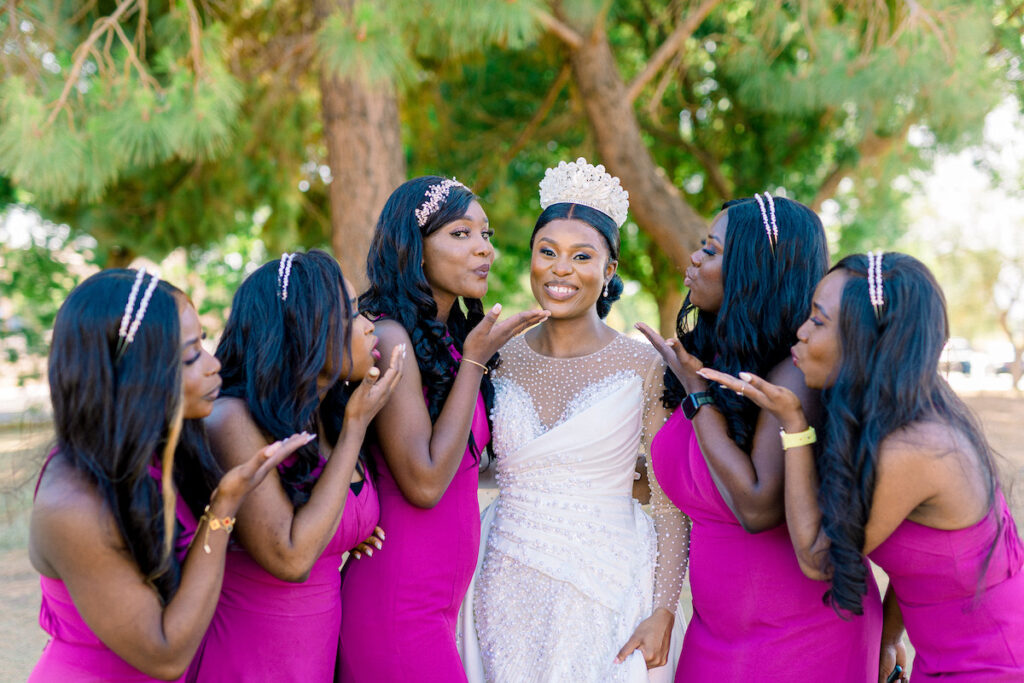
810	569
169	671
166	666
424	497
756	519
288	568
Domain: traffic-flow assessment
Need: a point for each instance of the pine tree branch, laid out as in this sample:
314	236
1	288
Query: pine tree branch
194	37
531	127
101	27
870	148
564	32
140	34
712	168
133	60
669	48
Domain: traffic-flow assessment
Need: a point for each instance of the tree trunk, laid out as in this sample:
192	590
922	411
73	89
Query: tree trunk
655	203
668	310
364	151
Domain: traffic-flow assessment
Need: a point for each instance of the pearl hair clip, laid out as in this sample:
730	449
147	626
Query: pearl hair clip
284	271
579	182
875	292
130	327
768	217
436	194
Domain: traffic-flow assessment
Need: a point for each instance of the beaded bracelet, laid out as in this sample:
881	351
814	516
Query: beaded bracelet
469	360
214	524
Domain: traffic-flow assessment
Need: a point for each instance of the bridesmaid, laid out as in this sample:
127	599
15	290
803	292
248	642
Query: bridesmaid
904	475
431	249
755	615
293	341
127	596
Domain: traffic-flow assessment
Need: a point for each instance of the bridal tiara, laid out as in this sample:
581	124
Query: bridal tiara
579	182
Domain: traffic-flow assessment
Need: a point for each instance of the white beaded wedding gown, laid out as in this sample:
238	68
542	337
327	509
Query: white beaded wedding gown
570	563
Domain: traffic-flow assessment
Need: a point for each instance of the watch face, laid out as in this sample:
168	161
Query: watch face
690	406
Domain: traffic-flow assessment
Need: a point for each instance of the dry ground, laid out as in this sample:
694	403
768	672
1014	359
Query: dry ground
22	449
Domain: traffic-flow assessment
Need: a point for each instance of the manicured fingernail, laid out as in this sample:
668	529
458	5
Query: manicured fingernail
496	309
382	534
373	372
310	437
357	555
369	551
746	376
377	544
701	373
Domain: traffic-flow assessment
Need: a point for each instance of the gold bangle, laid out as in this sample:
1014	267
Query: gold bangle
215	524
804	438
470	360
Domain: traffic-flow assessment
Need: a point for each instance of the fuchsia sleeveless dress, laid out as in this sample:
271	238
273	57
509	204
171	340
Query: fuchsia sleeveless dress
266	629
756	617
402	604
74	652
963	626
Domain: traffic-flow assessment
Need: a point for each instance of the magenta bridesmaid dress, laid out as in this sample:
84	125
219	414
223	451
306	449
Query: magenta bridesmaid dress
402	604
74	652
965	618
756	617
266	629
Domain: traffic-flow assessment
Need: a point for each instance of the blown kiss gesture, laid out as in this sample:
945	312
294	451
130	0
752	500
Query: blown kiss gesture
779	401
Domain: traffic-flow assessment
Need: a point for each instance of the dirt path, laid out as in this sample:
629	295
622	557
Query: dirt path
21	639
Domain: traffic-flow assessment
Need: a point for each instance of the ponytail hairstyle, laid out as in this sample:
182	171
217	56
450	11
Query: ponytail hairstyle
399	289
605	225
887	379
290	322
117	412
767	283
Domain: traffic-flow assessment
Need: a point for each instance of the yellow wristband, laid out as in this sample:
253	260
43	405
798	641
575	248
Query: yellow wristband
470	360
804	438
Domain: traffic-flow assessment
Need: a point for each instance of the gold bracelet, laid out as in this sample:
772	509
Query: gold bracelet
804	438
470	360
215	524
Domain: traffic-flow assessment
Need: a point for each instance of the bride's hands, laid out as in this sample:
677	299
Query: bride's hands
652	637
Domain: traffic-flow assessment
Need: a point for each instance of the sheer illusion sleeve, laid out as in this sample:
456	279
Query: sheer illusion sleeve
672	526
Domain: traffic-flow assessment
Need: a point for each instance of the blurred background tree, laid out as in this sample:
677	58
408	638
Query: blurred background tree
236	131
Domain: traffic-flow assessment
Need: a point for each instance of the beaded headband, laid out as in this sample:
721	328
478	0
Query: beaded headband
436	195
578	182
284	271
875	292
130	327
771	228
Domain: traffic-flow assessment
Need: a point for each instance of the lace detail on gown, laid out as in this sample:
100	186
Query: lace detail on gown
572	564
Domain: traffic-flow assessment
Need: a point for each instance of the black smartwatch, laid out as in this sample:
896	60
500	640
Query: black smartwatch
692	403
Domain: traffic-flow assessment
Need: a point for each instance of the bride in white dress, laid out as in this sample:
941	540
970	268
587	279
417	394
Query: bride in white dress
576	582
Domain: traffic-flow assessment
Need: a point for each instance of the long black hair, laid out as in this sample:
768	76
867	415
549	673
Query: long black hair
399	289
275	346
599	221
767	292
888	378
117	414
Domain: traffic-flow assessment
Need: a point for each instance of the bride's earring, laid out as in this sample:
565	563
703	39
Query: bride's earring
606	290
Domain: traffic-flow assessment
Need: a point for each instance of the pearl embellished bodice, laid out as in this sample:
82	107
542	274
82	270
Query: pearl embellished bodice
567	433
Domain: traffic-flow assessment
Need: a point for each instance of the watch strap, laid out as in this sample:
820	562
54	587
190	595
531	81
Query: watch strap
796	439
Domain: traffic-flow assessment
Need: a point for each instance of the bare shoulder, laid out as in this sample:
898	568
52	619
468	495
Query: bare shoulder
68	513
390	332
926	439
227	412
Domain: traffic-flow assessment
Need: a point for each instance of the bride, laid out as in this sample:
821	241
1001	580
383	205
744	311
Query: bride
575	581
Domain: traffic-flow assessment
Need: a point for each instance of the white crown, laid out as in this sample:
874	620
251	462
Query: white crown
578	182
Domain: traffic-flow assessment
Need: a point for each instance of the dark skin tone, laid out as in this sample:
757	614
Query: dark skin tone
424	457
750	483
926	472
285	541
569	267
74	538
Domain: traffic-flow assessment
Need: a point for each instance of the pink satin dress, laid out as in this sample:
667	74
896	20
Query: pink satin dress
266	629
964	618
756	617
402	604
74	652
